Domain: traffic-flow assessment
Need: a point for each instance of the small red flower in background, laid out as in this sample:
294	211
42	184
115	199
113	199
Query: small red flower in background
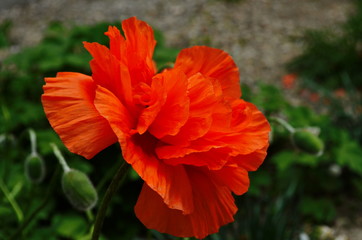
340	93
185	131
289	80
314	97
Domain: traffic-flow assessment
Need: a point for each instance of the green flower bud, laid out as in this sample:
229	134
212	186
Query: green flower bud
307	141
34	168
79	190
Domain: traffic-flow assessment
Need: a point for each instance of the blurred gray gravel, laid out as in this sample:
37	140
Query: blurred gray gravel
257	33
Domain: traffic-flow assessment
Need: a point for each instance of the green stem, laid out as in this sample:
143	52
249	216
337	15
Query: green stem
111	190
60	158
12	201
32	141
32	216
283	123
108	176
90	215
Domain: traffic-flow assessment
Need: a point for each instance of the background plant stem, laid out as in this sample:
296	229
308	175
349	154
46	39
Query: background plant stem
11	200
111	190
32	216
284	123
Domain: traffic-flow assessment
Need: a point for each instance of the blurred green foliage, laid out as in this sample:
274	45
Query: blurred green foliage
330	54
4	33
331	61
305	187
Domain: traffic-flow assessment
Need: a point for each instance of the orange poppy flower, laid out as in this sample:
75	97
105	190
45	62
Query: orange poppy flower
185	131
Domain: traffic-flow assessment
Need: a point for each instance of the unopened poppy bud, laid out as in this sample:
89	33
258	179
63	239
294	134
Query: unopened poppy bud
34	168
79	190
307	141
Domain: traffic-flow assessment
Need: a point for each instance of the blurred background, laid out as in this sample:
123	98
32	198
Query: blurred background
300	62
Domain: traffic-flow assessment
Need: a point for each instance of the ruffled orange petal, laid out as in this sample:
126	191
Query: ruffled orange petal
109	72
202	94
213	207
233	177
171	183
138	150
116	41
175	111
166	151
127	62
214	159
68	105
151	99
194	128
251	134
213	63
247	116
139	36
248	132
111	108
203	98
155	214
138	50
252	161
221	118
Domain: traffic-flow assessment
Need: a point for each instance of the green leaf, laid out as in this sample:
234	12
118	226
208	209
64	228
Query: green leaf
4	33
42	233
321	209
5	211
349	154
258	180
283	160
286	159
133	175
269	98
70	225
302	116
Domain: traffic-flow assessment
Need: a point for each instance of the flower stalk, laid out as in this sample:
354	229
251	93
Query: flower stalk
32	141
111	190
60	158
284	123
